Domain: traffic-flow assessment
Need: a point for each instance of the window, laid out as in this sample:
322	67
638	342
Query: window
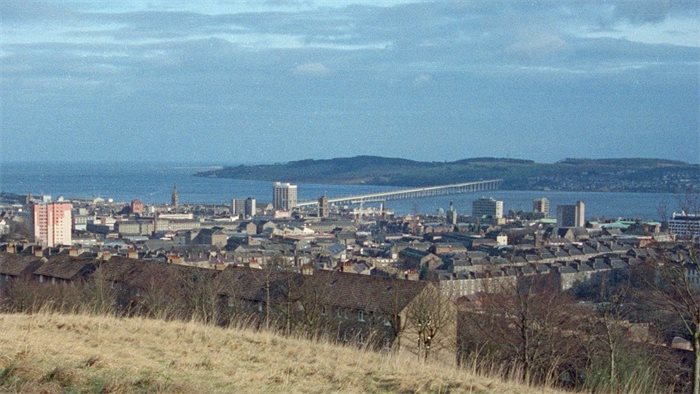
360	315
387	321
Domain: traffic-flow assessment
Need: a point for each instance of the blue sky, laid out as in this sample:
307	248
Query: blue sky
277	80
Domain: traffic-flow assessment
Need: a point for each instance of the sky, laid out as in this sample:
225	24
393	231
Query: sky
255	81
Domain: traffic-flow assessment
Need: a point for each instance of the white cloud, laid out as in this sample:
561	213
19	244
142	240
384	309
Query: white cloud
672	31
317	69
537	44
423	79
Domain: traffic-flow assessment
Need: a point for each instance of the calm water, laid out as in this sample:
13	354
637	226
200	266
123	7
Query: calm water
152	183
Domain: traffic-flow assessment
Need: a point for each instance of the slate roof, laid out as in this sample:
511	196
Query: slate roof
371	293
567	270
15	265
64	267
135	273
415	253
532	257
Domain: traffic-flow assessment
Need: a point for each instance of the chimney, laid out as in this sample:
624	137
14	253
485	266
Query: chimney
11	248
307	269
411	275
38	251
132	254
74	252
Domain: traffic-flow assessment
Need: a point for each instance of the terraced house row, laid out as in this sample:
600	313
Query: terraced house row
347	307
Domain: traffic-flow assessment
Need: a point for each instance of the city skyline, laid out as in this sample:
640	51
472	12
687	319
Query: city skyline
285	80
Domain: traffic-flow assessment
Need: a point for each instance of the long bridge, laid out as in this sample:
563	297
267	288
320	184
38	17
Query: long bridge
419	192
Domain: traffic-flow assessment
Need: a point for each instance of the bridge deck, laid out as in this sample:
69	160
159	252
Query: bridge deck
419	192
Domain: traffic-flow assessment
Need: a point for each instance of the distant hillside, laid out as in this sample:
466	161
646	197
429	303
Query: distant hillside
78	353
625	175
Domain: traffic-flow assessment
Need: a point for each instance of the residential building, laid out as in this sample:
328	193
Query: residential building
211	237
488	207
685	225
137	207
541	205
51	223
65	269
80	222
237	206
250	207
284	196
571	215
323	207
135	227
451	217
15	266
176	224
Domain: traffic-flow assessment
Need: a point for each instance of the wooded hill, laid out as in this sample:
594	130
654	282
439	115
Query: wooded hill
623	175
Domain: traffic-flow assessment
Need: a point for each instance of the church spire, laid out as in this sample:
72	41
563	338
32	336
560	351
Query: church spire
175	197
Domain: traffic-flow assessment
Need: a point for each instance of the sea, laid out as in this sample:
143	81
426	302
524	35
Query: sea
153	183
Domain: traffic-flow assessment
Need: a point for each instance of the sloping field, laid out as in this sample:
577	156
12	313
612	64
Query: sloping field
79	353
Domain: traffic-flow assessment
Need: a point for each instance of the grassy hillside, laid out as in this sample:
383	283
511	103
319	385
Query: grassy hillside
636	174
79	353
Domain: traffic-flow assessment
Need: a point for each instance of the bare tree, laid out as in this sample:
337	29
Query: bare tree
200	293
156	292
430	314
99	293
528	327
313	304
397	322
278	286
674	287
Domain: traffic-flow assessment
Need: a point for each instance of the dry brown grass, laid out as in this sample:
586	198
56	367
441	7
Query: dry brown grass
81	353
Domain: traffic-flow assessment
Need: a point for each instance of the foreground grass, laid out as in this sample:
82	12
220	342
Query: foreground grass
80	353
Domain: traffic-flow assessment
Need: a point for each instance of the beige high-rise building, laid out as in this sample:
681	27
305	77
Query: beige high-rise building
324	207
284	196
51	223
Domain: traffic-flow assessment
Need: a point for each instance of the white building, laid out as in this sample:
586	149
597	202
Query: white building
250	207
685	225
284	196
487	207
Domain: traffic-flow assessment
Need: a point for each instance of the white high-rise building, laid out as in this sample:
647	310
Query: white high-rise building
250	207
487	207
284	196
51	223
